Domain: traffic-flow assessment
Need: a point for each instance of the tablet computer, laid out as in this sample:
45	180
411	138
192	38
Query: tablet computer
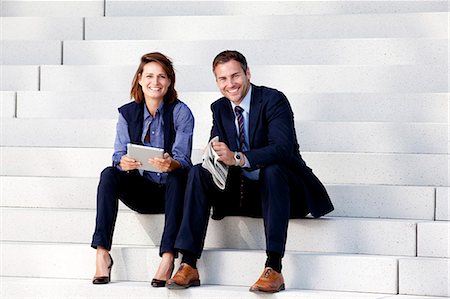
142	153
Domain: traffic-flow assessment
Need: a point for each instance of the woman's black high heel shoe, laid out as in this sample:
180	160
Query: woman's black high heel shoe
104	279
158	283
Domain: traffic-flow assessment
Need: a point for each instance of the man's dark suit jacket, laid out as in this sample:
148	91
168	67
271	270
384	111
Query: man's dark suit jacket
272	140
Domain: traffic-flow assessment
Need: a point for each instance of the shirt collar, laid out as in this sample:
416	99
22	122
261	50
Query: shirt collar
160	110
245	104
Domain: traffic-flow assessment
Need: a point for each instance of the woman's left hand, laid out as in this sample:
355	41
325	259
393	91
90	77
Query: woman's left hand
165	164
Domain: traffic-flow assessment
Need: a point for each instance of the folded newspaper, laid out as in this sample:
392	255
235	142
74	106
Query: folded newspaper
218	170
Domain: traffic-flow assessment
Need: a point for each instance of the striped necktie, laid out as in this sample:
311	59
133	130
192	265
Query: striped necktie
240	119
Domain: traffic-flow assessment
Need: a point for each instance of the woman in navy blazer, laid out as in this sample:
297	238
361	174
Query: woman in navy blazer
155	118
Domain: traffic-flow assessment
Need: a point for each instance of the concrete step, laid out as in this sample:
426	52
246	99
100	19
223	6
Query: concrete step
42	28
49	192
293	78
331	168
168	8
279	51
71	8
386	169
265	27
424	276
88	133
372	137
433	239
368	201
8	104
400	202
25	52
19	77
64	8
73	104
346	107
442	204
315	136
350	235
19	287
358	273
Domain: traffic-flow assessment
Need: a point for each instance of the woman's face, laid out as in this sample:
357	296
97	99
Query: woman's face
154	81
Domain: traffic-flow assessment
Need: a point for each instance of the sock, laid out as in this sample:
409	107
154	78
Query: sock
274	261
189	259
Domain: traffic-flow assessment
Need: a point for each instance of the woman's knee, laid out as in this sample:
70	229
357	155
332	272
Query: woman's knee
108	173
177	177
109	178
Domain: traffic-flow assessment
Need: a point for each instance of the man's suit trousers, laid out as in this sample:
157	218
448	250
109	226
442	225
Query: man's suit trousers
269	196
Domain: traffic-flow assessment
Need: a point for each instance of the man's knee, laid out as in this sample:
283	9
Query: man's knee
197	172
273	173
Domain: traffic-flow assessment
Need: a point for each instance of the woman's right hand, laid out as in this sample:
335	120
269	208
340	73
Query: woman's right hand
127	163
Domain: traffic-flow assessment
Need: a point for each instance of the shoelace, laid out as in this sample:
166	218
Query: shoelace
267	273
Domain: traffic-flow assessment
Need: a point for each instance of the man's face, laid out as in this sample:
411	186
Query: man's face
232	81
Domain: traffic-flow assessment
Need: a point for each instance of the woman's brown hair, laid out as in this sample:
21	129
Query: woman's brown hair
136	92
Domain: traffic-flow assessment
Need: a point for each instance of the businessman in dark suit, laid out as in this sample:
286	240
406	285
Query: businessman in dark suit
267	176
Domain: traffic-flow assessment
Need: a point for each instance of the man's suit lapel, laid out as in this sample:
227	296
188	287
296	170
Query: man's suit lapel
255	112
229	126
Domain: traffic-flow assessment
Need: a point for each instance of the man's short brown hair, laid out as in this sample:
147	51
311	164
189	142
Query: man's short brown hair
228	55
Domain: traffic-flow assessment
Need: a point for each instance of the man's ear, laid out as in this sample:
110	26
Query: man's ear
248	74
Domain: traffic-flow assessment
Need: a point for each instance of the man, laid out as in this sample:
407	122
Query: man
267	176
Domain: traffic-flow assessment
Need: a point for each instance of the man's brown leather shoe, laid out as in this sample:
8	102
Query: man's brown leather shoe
270	281
185	277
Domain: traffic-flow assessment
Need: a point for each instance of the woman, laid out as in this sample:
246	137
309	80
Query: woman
156	118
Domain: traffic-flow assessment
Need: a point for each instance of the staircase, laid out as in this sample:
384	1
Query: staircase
368	83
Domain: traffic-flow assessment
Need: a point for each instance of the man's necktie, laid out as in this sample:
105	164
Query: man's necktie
240	119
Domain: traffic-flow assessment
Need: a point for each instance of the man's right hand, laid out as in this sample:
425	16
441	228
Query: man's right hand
127	163
224	153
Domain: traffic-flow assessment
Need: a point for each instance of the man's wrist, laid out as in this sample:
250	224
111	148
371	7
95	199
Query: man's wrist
239	159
